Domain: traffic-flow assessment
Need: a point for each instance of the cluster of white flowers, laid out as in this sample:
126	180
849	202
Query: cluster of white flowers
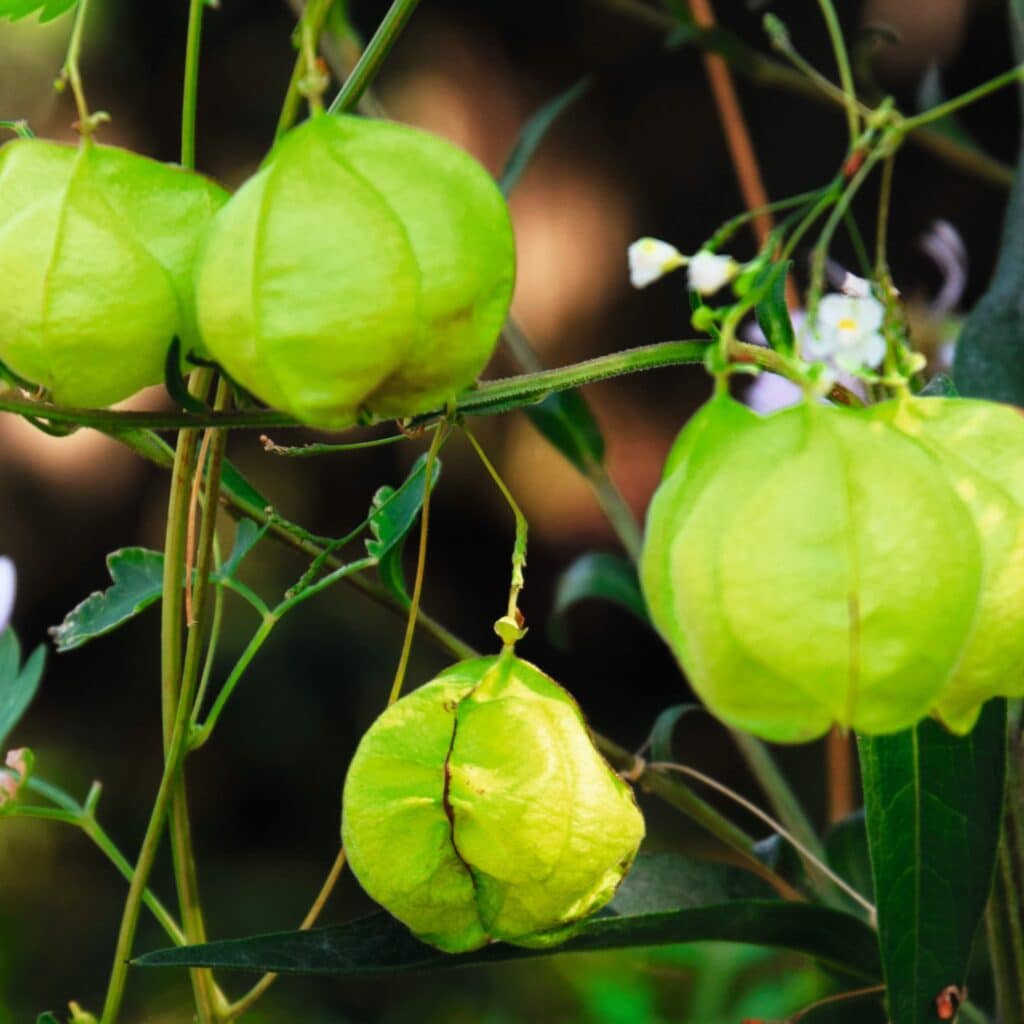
651	259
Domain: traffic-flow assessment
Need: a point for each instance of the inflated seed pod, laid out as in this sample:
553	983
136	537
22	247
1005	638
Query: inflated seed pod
477	808
96	252
367	266
980	445
810	568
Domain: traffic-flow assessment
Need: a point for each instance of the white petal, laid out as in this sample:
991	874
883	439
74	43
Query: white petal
873	349
771	392
835	307
709	271
856	287
650	259
870	314
8	581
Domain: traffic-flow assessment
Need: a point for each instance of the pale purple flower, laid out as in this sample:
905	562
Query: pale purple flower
8	580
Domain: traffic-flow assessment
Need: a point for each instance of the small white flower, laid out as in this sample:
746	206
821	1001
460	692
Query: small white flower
8	580
651	259
854	286
847	332
709	271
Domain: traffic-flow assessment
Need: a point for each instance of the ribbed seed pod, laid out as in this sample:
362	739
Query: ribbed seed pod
980	445
367	266
96	253
811	568
477	808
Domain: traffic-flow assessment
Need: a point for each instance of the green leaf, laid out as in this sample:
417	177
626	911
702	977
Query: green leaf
846	849
379	944
47	1018
596	575
934	806
18	683
247	535
660	740
48	9
940	386
772	311
137	575
242	493
392	515
565	419
533	132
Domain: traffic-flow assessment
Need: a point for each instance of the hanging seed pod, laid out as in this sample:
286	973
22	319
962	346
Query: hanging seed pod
477	808
810	568
96	250
980	445
367	267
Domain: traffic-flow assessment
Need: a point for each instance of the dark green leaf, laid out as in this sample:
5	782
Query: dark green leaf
18	683
47	1018
246	537
380	944
392	515
934	806
137	575
660	740
846	847
773	311
940	386
659	882
989	359
596	575
565	419
534	131
242	492
48	9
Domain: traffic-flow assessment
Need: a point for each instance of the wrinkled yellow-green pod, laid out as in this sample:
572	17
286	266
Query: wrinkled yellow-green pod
477	809
96	253
367	267
980	445
810	568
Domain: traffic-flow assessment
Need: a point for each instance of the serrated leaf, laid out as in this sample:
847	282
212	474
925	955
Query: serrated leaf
137	577
596	575
533	132
380	944
18	683
565	419
933	805
392	515
47	9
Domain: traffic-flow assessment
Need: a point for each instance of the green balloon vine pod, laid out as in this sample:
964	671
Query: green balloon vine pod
367	266
980	446
96	253
477	809
811	568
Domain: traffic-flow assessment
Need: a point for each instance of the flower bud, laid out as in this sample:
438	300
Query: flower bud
811	568
367	267
96	252
477	809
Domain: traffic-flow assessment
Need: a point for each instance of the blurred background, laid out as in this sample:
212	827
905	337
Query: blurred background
641	153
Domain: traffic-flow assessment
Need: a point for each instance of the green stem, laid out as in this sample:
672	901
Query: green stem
421	566
965	99
373	56
512	630
190	91
835	34
489	397
92	829
71	71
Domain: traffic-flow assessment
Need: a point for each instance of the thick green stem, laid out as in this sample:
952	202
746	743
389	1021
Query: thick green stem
373	56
